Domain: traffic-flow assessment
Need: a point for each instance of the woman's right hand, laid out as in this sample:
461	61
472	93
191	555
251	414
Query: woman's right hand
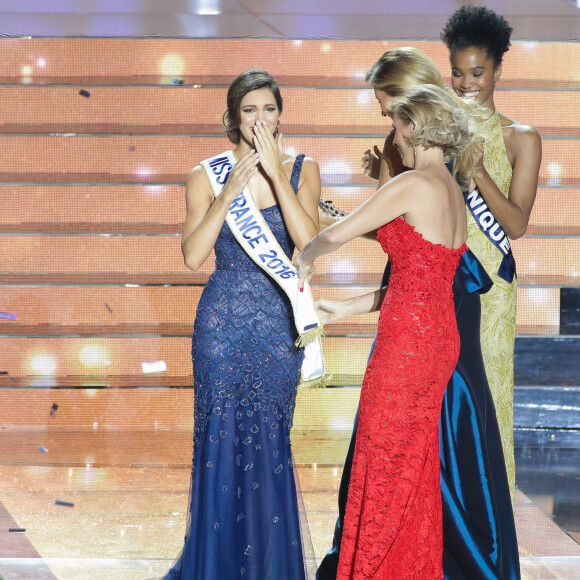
371	163
330	311
240	175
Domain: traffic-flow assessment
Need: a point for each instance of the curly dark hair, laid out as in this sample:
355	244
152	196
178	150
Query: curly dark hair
479	27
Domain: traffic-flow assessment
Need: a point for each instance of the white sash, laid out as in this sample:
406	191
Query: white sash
257	240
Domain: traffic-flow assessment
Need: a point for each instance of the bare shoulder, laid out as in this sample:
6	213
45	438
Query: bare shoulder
414	181
198	186
518	134
310	169
198	178
310	164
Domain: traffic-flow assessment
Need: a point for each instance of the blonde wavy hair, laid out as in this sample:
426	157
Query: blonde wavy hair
443	120
401	69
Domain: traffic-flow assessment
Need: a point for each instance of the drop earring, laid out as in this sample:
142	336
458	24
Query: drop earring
414	153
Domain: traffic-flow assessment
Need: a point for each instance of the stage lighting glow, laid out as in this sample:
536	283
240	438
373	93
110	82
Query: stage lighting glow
90	393
43	364
554	169
26	71
297	42
158	366
144	172
364	96
93	355
326	47
155	189
336	170
206	7
530	44
554	173
41	62
345	269
172	65
39	470
539	296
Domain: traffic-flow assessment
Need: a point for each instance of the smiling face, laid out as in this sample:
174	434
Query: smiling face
401	141
473	75
256	106
384	100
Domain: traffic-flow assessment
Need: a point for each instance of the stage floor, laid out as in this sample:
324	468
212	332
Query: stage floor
129	489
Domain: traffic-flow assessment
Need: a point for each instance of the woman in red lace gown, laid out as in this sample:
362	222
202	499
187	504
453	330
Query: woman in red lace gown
393	522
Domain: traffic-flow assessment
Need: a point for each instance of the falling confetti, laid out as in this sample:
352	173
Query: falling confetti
53	410
17	530
8	315
177	81
43	449
84	93
64	503
108	308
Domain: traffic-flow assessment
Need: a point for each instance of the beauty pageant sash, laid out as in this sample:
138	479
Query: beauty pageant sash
253	234
494	233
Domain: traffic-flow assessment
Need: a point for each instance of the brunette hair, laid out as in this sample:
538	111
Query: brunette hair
246	82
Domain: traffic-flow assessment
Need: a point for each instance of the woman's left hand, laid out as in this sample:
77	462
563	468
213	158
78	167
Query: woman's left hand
305	270
269	148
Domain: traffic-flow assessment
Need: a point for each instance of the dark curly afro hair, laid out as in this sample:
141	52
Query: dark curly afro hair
479	27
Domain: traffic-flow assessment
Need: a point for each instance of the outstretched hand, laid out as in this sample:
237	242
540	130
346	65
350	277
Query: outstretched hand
268	147
371	162
305	270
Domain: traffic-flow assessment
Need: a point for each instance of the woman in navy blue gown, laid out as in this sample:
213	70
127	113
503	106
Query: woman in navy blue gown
243	516
479	539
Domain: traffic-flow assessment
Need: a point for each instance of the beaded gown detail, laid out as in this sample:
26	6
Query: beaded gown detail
243	520
498	306
393	522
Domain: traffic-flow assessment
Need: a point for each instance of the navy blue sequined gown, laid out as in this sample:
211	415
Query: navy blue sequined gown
243	520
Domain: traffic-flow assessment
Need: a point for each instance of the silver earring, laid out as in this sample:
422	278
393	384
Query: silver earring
414	152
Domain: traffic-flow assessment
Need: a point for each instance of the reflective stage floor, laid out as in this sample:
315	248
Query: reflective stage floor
128	490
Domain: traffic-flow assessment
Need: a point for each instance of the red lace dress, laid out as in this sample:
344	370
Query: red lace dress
393	523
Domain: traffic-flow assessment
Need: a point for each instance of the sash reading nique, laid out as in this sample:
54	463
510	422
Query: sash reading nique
494	233
257	240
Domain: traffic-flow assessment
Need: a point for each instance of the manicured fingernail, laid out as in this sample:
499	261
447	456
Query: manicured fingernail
301	289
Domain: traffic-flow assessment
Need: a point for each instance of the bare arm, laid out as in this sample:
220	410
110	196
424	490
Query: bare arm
330	311
205	217
389	202
513	212
299	210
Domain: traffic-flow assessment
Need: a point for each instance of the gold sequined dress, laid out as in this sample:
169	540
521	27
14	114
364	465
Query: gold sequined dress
498	306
